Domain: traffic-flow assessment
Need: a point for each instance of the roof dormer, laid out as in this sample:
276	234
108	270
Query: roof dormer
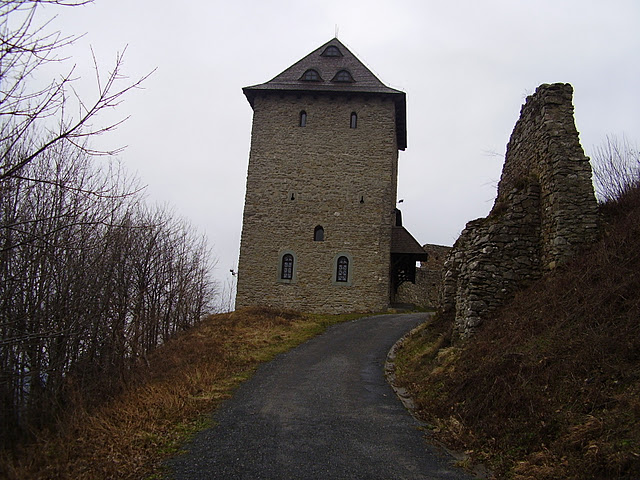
343	76
311	75
331	51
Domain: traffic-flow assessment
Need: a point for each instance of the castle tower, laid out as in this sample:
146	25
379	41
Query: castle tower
319	218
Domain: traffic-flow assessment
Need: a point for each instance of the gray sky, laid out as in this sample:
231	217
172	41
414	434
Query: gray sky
466	67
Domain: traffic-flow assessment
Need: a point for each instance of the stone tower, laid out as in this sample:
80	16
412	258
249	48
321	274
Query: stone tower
320	229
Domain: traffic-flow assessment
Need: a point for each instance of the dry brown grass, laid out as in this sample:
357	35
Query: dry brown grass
172	398
550	386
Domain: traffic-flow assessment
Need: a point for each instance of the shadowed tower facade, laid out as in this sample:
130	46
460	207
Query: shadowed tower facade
320	229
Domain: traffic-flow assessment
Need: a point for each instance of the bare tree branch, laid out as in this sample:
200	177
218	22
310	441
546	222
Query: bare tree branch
616	168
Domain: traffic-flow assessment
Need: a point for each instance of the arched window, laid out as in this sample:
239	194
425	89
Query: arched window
303	118
331	51
286	272
311	75
354	120
318	234
342	269
343	76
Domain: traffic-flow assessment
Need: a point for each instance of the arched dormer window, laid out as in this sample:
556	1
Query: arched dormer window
343	76
331	51
286	271
318	234
342	269
303	119
311	75
354	120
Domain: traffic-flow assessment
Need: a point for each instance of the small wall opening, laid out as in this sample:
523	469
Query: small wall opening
318	234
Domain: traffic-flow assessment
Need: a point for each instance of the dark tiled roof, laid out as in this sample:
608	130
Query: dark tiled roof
403	242
364	81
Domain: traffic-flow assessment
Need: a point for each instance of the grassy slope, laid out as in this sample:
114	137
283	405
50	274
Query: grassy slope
185	380
550	386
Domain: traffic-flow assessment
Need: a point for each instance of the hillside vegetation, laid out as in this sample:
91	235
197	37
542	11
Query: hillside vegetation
172	396
549	388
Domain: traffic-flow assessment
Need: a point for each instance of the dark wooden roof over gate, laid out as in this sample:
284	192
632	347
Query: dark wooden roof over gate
402	242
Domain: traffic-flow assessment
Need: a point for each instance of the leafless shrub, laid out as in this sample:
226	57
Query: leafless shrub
227	296
616	168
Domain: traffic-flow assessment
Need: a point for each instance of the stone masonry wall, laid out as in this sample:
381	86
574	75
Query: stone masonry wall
427	290
544	213
324	174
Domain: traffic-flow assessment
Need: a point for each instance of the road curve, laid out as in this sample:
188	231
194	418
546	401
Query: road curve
321	411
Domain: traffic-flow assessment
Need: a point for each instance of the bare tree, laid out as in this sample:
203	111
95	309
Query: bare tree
88	287
34	119
227	296
616	168
91	280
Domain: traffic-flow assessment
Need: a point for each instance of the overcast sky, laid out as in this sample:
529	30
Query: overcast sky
466	67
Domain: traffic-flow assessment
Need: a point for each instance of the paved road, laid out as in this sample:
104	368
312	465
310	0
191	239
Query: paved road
321	411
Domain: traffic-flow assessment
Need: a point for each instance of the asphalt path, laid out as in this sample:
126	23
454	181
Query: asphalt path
321	411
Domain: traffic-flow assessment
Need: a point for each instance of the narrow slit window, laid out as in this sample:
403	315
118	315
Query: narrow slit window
303	118
354	120
318	234
287	267
342	272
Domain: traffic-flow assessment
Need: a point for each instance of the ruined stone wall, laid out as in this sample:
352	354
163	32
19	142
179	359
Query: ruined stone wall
323	174
427	290
493	257
544	213
545	148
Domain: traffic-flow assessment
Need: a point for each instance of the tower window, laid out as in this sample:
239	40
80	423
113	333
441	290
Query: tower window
311	75
303	118
354	120
286	272
342	270
331	51
343	76
318	234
